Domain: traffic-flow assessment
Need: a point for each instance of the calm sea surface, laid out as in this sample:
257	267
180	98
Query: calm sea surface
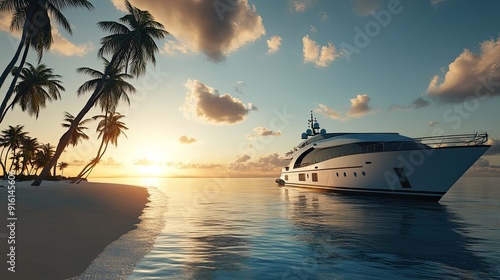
253	229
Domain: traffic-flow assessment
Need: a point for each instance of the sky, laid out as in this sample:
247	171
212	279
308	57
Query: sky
236	80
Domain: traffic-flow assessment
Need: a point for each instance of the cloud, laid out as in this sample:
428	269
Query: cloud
359	106
262	131
110	162
495	147
144	162
266	165
366	7
204	103
60	44
252	107
273	44
243	158
175	47
64	47
187	140
419	102
215	28
238	86
469	75
432	123
120	5
77	162
313	54
328	112
323	16
482	167
300	5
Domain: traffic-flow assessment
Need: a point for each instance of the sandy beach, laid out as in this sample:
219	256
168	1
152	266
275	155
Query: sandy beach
61	228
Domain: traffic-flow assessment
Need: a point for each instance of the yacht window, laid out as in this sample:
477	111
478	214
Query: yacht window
345	174
302	177
286	177
337	174
355	175
363	173
315	177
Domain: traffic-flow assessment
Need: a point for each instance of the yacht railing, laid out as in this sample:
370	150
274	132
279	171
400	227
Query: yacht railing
430	142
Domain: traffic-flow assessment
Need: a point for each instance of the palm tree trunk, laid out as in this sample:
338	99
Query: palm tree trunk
22	43
12	63
96	162
3	107
6	157
64	140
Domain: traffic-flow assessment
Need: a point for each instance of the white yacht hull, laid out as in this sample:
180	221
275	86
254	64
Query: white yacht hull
422	173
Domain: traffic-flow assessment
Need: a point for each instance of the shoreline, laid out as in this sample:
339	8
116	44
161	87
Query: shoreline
62	227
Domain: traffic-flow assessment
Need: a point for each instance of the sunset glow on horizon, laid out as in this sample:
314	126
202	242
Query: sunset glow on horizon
235	82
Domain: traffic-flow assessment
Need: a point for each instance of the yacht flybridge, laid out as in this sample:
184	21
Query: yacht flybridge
381	163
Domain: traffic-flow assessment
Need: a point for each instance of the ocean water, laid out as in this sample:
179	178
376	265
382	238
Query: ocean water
252	229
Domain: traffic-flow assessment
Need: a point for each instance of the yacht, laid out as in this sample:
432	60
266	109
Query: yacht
387	164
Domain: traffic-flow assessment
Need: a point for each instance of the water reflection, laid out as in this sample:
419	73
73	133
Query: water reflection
361	236
223	249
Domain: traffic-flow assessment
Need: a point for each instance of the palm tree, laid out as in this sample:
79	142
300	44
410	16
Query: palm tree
12	140
43	155
109	129
78	135
28	151
33	17
61	166
37	86
132	43
114	89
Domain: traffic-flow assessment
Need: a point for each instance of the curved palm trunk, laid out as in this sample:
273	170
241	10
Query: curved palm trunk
87	173
91	164
10	66
64	140
12	63
8	95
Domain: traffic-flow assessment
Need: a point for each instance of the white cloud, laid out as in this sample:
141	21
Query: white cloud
262	131
174	47
300	5
64	47
186	140
273	44
204	103
120	5
215	28
328	112
313	54
359	106
469	75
